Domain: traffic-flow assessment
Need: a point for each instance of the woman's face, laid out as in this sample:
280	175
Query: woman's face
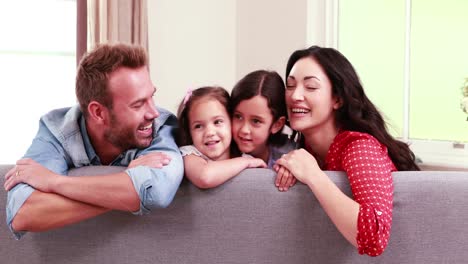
309	97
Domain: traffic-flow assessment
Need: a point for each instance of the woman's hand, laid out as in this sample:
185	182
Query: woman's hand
301	164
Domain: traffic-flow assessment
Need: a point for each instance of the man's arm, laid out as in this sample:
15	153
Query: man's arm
87	196
32	210
138	189
157	187
45	211
113	191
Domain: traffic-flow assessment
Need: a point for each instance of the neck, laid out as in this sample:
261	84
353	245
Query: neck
106	151
319	141
263	154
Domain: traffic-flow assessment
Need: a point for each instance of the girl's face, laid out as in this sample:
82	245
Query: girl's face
210	128
252	123
309	97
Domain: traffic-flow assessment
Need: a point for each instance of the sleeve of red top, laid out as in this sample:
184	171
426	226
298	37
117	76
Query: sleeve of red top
369	169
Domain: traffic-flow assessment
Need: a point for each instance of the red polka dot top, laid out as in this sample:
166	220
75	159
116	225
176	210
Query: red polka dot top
368	166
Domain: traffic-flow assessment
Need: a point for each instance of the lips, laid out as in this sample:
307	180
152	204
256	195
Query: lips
146	130
211	142
299	110
244	140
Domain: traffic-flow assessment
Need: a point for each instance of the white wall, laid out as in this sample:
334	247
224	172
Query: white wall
191	44
267	33
206	42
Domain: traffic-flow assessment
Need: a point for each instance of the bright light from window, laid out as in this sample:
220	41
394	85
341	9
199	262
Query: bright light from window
37	62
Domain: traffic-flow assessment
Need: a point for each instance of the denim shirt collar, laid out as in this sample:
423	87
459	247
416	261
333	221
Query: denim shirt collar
69	128
93	158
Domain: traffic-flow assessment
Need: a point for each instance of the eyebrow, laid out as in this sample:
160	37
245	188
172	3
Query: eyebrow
305	78
211	119
254	116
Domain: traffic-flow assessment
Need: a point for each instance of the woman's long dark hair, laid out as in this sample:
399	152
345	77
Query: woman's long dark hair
357	112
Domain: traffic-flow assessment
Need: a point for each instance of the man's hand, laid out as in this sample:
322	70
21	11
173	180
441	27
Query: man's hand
153	159
30	172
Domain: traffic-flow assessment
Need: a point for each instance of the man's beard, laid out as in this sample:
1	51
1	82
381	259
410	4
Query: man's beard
122	137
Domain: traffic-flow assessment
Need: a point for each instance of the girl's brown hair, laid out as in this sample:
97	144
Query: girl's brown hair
215	92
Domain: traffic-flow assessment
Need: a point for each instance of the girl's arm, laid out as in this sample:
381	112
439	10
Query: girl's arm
208	174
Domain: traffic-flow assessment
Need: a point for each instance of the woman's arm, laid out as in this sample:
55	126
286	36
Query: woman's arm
365	221
341	209
208	174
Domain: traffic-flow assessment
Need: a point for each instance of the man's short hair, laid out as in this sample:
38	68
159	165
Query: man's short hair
96	66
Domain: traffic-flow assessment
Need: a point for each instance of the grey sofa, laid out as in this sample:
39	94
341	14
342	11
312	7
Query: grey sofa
247	220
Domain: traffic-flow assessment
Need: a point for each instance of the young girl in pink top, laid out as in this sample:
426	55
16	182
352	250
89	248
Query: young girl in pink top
342	130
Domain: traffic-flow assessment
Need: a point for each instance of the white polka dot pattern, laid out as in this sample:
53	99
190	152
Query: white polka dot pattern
369	168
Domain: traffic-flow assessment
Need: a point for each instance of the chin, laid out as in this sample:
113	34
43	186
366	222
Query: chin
143	143
246	150
298	126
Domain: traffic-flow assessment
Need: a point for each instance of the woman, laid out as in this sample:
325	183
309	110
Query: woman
342	130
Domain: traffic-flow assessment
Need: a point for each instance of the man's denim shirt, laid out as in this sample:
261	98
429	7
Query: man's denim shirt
62	143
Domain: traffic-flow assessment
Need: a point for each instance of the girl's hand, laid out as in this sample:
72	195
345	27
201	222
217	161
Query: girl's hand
153	160
30	172
284	178
301	164
255	163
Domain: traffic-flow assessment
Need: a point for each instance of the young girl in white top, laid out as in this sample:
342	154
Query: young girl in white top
205	138
258	117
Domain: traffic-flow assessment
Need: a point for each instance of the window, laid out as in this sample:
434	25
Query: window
38	65
412	59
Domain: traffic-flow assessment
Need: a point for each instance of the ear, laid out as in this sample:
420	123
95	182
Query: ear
277	125
98	112
338	103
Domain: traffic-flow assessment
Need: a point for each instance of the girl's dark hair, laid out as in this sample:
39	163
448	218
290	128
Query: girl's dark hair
214	92
357	112
268	84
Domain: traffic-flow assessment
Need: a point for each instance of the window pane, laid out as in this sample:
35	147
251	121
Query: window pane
38	68
439	66
372	36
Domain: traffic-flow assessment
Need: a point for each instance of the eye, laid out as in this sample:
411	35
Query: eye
310	88
256	121
218	121
197	126
138	105
290	86
237	116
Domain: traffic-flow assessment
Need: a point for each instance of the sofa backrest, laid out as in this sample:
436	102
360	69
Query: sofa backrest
246	220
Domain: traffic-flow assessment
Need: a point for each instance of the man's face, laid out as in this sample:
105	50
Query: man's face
131	117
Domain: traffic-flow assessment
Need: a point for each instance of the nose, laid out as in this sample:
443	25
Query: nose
297	94
152	111
244	128
210	130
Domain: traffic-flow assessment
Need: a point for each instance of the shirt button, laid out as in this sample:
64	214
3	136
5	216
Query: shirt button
379	213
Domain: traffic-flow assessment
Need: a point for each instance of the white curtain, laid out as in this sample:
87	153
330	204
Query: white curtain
112	21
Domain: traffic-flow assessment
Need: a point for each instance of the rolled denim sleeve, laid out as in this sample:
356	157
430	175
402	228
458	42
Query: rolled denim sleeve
46	151
157	187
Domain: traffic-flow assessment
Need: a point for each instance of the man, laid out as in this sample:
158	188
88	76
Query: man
116	123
